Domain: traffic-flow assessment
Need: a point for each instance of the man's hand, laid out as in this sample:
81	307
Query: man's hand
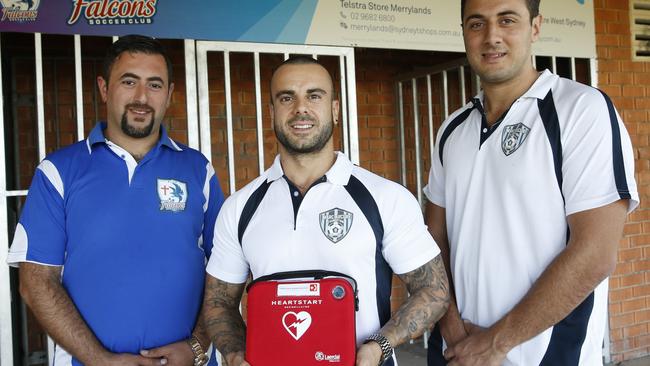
175	354
451	326
479	348
126	359
236	359
368	354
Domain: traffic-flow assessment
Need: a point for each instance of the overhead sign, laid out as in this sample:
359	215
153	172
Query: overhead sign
568	28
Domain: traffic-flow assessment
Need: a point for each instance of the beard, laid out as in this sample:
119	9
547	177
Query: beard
315	144
135	132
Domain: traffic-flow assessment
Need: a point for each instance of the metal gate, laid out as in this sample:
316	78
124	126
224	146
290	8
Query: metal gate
201	124
341	58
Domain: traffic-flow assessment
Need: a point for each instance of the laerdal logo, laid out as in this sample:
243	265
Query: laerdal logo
99	12
19	10
321	356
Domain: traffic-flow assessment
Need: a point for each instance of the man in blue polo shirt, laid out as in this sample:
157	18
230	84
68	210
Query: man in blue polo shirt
113	239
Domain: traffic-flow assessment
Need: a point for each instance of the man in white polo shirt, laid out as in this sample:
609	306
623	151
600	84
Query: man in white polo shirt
281	222
529	189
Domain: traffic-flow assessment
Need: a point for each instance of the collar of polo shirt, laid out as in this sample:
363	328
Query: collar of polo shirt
339	173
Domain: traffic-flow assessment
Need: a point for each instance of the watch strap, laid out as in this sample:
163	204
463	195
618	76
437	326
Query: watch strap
200	358
384	344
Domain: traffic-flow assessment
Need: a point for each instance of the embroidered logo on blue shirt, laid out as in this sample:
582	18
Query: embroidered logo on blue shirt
172	194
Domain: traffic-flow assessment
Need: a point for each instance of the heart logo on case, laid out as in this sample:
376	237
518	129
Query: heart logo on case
296	323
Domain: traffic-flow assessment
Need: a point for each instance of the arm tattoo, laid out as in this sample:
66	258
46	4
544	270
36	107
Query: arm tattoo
428	301
221	314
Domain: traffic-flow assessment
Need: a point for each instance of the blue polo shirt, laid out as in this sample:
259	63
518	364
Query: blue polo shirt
133	237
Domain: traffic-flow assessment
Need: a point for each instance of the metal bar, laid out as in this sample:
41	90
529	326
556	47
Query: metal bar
285	49
353	125
554	64
229	127
573	68
344	108
463	94
55	120
258	110
607	352
430	111
204	101
78	87
190	94
416	126
40	108
25	331
431	70
15	193
6	338
50	351
534	61
95	96
593	72
445	94
402	144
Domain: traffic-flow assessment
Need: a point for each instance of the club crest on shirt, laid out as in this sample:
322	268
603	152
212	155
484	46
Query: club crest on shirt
172	194
513	137
335	224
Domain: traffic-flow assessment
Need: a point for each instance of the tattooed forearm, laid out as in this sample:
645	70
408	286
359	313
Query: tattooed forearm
428	301
221	315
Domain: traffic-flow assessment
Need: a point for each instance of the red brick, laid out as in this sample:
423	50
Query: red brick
633	91
616	296
616	4
619	28
632	279
633	305
621	321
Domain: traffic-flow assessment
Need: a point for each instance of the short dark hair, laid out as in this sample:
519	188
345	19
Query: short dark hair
133	43
532	5
302	60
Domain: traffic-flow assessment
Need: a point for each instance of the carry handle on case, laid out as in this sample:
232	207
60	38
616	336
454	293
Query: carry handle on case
301	318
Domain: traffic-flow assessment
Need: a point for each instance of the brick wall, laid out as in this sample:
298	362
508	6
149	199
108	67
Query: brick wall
628	84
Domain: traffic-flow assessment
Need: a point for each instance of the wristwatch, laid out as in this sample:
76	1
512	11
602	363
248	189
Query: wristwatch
384	344
200	358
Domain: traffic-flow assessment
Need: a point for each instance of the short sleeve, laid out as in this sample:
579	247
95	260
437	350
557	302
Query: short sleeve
407	243
435	188
214	199
227	261
40	234
598	161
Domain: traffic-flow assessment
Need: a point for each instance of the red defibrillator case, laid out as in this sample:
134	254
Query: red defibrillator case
301	318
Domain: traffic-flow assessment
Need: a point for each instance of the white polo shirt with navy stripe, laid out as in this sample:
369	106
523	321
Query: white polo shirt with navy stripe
507	189
268	227
132	238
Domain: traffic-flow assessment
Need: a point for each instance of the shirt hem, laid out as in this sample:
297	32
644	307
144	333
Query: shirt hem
602	201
